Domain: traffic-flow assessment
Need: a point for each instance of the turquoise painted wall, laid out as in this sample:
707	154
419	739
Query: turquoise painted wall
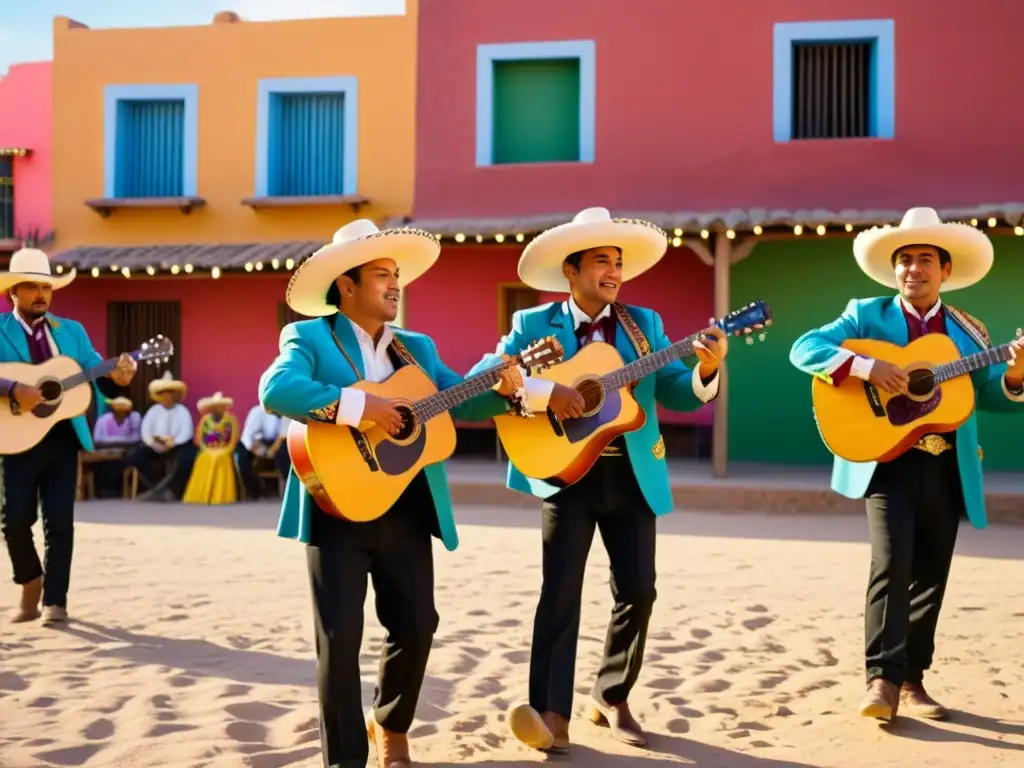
807	282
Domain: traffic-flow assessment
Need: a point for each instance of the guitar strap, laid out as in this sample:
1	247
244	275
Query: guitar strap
972	325
636	336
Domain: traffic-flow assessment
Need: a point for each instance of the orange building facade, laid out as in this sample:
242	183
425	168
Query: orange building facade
195	166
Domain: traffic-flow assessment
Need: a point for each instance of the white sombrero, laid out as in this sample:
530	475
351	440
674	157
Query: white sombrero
30	265
355	244
215	400
166	383
120	404
642	243
969	247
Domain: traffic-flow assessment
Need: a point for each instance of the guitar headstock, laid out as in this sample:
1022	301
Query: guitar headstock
746	320
541	355
157	350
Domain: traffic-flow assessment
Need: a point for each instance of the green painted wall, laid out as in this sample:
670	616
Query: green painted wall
807	282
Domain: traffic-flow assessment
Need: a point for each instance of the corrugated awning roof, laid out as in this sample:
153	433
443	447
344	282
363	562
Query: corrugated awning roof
738	219
162	257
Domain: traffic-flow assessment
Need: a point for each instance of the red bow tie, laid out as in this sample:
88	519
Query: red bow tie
585	331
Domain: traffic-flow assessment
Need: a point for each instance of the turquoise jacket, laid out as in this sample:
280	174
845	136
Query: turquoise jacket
882	318
305	382
671	386
72	341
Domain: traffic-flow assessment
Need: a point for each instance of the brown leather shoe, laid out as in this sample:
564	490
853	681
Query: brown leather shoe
28	609
915	701
882	700
392	748
559	728
620	721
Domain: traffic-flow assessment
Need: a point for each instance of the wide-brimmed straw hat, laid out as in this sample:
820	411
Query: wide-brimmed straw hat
120	404
167	383
642	244
969	248
30	265
359	242
215	400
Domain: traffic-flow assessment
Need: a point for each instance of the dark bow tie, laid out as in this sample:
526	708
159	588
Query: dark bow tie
585	331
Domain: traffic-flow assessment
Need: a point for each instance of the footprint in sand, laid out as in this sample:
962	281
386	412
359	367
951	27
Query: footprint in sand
182	681
117	706
470	725
464	665
517	657
757	609
714	686
427	729
489	686
235	689
700	634
712	656
98	730
754	726
256	711
678	726
43	702
478	612
508	623
246	733
689	646
758	623
665	683
771	681
78	755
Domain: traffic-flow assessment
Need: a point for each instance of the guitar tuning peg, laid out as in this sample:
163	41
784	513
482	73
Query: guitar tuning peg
760	337
768	321
749	340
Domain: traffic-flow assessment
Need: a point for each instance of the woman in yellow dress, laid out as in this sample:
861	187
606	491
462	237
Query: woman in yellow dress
214	479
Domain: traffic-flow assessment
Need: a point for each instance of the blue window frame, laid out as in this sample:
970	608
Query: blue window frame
877	36
151	138
307	137
500	114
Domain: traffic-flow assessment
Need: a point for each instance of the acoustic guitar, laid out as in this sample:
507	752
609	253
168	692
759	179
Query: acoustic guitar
62	383
561	452
859	422
359	474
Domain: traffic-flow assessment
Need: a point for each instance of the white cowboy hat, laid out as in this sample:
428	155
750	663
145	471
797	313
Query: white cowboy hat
216	399
969	247
642	244
355	244
120	404
30	265
166	383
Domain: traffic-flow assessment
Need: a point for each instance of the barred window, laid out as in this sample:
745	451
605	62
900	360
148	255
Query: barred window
832	87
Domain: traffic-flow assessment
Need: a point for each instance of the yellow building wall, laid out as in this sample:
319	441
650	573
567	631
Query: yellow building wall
226	60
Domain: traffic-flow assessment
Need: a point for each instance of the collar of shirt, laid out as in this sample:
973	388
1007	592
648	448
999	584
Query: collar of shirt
365	340
579	316
24	323
909	309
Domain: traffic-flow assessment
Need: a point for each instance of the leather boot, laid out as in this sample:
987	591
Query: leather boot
620	721
392	748
28	609
916	702
882	700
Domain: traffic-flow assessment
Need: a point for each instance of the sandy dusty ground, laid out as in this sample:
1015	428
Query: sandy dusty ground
191	646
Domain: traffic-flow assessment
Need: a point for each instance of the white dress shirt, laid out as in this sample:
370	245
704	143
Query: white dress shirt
262	427
174	422
40	326
377	366
540	392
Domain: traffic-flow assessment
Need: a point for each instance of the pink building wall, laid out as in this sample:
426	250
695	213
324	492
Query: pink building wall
26	107
684	110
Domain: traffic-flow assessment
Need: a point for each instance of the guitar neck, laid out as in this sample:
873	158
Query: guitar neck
645	366
971	363
446	399
90	374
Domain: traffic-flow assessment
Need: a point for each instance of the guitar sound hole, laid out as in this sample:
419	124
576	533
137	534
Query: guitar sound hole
51	390
922	382
593	395
408	424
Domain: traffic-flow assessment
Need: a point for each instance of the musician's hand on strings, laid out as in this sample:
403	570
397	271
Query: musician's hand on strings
511	379
1015	371
889	378
26	397
384	413
711	351
566	402
123	374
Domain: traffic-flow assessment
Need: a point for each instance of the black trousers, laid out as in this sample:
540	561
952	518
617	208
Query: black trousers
914	506
45	476
246	458
608	499
153	466
395	552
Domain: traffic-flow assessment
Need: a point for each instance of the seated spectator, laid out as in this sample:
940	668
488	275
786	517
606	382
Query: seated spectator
263	439
165	456
119	428
214	478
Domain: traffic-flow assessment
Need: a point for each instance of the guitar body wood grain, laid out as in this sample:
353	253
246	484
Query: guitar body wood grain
19	433
562	453
329	460
861	423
